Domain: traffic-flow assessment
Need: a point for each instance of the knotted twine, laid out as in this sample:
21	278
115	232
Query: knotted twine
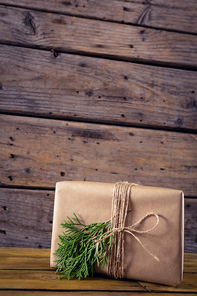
120	203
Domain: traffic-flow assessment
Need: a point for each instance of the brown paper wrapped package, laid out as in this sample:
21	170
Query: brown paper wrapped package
91	201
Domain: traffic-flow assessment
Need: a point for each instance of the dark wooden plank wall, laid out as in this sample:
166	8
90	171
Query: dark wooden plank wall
90	37
172	15
96	92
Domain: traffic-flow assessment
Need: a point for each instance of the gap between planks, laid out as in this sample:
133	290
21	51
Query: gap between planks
136	44
152	15
99	146
32	225
86	89
104	56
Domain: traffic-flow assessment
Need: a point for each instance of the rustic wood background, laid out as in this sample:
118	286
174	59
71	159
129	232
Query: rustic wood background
95	91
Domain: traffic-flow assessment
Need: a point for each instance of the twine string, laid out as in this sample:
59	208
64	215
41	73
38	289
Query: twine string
120	204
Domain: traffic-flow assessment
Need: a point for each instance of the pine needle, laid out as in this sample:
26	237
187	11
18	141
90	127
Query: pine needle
76	252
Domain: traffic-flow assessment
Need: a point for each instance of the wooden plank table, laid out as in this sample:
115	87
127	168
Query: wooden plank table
26	271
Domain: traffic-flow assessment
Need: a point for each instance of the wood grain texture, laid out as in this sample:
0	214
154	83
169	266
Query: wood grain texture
39	152
191	225
77	87
190	262
48	280
92	37
44	254
23	279
188	285
174	15
27	215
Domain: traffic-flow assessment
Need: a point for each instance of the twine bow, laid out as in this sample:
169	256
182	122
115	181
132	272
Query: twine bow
120	203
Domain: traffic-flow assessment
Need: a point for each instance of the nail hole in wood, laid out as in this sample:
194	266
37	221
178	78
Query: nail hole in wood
66	3
179	121
89	93
3	231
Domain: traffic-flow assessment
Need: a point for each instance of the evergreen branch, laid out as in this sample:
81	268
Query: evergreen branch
77	252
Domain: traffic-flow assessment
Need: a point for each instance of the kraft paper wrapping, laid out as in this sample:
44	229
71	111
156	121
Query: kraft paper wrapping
91	201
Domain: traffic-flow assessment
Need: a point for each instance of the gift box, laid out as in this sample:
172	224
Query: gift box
92	202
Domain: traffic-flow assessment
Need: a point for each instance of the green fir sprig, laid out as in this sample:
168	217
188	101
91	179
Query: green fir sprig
78	248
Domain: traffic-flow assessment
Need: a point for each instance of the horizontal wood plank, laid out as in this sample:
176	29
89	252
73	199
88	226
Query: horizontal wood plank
48	280
174	15
77	87
188	285
23	279
92	37
18	258
39	279
44	254
190	262
27	215
191	225
40	152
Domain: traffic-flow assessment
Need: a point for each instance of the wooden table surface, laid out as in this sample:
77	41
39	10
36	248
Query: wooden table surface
26	271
